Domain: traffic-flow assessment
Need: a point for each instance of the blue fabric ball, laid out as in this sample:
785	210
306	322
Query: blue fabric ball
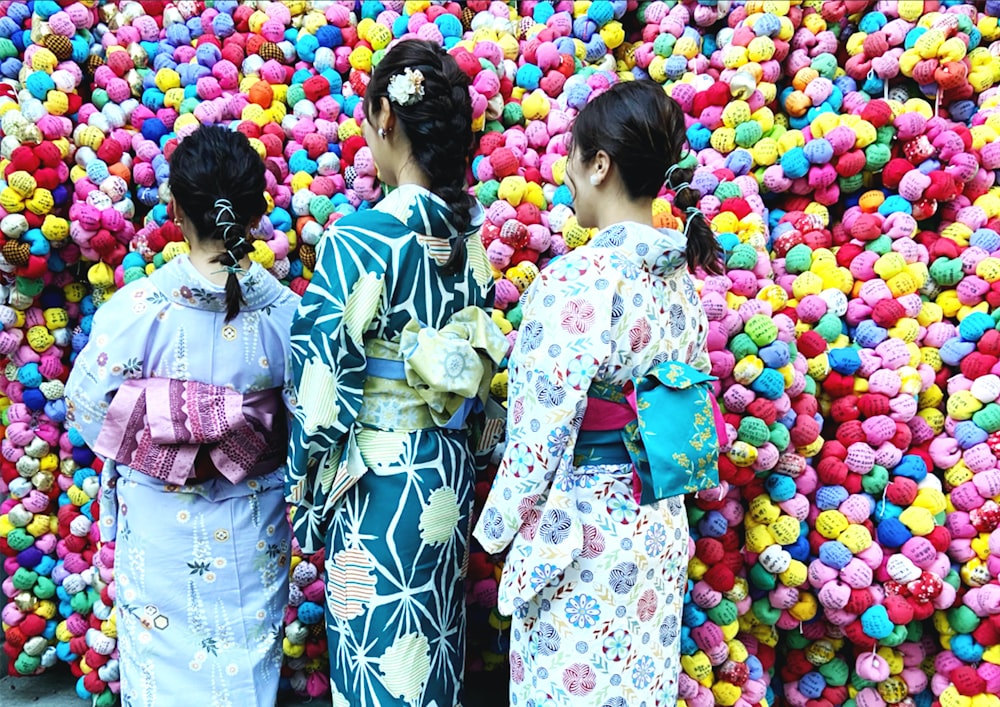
844	361
892	533
835	554
875	622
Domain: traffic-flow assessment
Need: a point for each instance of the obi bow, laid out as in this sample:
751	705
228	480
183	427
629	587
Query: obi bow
158	426
450	368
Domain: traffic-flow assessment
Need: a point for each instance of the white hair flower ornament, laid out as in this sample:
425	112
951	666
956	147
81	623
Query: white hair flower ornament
407	88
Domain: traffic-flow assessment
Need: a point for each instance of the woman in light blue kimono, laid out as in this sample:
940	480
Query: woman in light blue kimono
182	391
392	348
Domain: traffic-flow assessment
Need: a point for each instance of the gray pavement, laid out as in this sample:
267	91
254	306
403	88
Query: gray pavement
57	688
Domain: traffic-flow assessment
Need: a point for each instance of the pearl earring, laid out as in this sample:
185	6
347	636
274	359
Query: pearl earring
381	133
595	180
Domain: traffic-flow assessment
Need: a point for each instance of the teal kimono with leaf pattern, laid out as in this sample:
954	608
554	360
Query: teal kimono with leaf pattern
386	353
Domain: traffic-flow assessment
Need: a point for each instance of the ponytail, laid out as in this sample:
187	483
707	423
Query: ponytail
703	249
233	237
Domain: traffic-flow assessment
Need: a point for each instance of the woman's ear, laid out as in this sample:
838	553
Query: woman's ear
602	165
386	116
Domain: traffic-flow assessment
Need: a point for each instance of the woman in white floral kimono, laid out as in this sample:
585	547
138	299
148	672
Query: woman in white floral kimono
594	580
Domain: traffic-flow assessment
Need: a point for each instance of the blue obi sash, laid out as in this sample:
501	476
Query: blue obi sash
396	370
672	440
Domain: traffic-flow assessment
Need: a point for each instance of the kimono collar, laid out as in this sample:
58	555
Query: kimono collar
661	251
426	213
180	282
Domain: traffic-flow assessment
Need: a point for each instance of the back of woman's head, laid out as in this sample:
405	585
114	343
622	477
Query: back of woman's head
438	125
643	132
217	178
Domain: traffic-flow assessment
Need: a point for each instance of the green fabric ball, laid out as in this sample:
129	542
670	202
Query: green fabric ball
762	579
881	245
753	431
82	602
875	481
24	579
45	588
779	435
762	329
836	672
748	134
723	614
896	638
26	664
851	184
798	259
947	271
743	257
513	115
988	418
729	190
742	346
99	98
796	640
826	65
488	192
19	540
829	327
877	156
30	286
295	94
133	274
515	316
664	44
765	613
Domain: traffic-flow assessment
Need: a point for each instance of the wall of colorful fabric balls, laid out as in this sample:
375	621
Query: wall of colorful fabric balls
848	155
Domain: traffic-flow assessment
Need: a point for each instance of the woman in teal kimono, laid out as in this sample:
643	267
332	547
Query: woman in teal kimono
392	348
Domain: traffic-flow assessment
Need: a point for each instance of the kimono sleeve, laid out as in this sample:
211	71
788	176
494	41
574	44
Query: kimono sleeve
562	345
115	352
328	373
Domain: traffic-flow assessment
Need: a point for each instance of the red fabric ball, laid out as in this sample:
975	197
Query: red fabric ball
967	681
851	432
887	312
763	409
844	409
838	385
720	578
877	112
977	364
894	171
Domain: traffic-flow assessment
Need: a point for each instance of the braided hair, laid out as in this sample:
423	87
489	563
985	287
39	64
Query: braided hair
439	127
642	130
218	179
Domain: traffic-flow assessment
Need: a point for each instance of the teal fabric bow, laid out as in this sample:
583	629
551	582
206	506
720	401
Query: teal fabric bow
673	443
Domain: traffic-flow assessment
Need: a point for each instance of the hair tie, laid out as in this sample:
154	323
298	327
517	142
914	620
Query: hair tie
226	217
692	212
232	269
670	173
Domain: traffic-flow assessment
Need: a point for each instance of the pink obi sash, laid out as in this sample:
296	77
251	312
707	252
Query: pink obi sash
177	431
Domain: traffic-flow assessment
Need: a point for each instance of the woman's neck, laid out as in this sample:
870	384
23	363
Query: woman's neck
623	209
202	259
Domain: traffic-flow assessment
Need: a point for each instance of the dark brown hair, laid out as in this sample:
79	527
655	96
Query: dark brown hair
439	127
218	179
642	129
